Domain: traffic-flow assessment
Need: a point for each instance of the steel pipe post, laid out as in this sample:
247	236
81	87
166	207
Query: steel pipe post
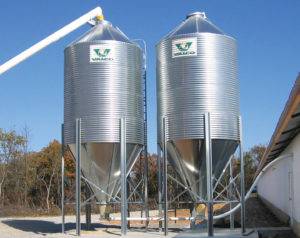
123	176
165	182
146	187
146	200
159	168
62	180
208	155
243	212
78	175
231	217
127	202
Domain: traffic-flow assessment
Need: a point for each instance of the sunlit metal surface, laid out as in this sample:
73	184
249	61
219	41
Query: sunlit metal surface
100	93
190	85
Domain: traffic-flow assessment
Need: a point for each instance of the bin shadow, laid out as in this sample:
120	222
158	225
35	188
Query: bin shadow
46	227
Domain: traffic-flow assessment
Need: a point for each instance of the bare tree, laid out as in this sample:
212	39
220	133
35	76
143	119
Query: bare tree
48	161
3	172
26	134
48	184
10	149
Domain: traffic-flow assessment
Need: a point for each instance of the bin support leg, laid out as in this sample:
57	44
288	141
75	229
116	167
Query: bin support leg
159	184
146	186
243	212
123	177
62	181
231	217
165	182
208	155
78	175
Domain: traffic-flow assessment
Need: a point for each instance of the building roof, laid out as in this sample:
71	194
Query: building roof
287	127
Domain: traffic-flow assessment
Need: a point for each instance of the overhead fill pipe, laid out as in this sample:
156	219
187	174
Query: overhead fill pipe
95	13
253	186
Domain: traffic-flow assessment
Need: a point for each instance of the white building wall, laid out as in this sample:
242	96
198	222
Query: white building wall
273	186
295	149
280	184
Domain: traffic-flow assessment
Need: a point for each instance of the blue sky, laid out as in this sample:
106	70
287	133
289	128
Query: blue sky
267	32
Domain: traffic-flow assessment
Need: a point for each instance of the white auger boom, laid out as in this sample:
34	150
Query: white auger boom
95	13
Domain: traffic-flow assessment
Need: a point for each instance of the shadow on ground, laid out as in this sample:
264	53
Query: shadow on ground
47	227
44	227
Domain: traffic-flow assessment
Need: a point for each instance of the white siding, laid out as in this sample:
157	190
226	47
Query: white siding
274	185
294	148
282	182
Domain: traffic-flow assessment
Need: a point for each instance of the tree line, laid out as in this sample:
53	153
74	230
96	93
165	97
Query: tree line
28	179
31	180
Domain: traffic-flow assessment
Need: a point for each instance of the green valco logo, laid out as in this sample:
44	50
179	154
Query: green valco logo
104	53
99	53
184	47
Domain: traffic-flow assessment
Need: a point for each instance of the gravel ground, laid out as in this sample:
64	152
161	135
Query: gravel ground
33	227
257	215
24	227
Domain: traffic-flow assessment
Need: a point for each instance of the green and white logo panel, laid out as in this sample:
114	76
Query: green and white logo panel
184	47
101	53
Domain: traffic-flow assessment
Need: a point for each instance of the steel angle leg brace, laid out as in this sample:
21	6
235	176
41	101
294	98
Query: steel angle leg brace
78	175
208	155
123	176
165	181
243	212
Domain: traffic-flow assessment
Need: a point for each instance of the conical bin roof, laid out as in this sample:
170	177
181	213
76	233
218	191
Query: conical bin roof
195	22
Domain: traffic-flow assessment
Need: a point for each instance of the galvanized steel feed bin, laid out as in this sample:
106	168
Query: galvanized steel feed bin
197	73
103	83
